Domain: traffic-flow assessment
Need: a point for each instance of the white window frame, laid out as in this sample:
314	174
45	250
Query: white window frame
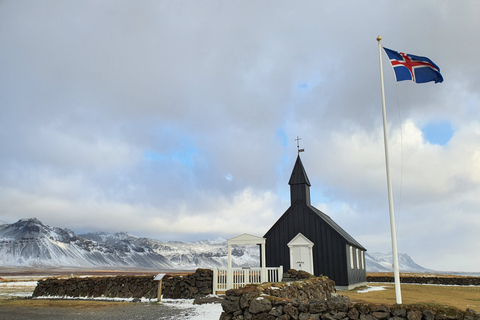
351	258
363	259
358	259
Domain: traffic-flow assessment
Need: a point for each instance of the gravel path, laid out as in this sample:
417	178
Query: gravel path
129	311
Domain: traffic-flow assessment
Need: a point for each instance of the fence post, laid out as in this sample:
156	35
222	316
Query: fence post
159	277
215	280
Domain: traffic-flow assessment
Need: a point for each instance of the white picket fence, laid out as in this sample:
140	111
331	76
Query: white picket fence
244	276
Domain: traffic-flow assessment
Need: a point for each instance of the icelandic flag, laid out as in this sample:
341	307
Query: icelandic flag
410	67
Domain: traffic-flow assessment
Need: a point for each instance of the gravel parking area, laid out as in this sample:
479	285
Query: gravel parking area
129	311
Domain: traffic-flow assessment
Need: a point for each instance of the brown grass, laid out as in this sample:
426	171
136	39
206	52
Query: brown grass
55	303
461	297
413	274
5	273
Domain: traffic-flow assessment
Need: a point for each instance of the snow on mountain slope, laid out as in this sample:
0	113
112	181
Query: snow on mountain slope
185	255
381	262
30	243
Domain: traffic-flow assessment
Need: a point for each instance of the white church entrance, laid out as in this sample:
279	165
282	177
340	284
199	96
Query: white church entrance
301	253
233	278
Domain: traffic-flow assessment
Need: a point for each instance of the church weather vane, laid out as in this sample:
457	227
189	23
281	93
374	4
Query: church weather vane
298	145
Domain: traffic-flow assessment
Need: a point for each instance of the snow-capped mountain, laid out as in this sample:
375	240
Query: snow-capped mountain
30	243
381	262
184	255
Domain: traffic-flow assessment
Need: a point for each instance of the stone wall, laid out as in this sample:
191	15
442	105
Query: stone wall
315	299
295	275
191	286
110	287
176	287
447	280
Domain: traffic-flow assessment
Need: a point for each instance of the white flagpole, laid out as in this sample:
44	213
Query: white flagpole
389	184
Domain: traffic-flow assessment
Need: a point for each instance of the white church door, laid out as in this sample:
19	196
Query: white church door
301	253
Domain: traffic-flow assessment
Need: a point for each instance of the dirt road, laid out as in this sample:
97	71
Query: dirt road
139	311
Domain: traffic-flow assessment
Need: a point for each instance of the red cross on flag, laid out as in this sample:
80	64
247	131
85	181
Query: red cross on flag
411	67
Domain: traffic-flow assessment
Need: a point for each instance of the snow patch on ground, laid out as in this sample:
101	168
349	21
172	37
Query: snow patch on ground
19	284
208	311
19	289
370	289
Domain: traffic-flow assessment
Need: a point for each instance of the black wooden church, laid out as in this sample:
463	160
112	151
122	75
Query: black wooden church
305	238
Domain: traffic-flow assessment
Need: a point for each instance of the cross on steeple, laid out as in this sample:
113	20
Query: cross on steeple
298	145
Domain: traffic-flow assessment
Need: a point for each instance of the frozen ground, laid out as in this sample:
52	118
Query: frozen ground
19	289
370	289
210	311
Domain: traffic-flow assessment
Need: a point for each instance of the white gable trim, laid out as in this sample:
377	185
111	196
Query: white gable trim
246	239
300	240
296	245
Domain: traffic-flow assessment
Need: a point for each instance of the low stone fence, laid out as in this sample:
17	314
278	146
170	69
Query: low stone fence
192	286
447	280
315	299
109	287
175	287
295	275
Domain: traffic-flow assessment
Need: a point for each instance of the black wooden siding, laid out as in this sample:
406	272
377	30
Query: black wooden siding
357	274
328	251
331	253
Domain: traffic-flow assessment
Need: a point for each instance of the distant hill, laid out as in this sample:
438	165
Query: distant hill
30	243
381	262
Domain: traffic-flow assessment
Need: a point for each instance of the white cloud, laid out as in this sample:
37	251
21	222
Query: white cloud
134	116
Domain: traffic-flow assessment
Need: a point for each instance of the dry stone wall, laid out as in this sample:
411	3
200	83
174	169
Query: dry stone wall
316	299
295	275
191	286
109	287
446	280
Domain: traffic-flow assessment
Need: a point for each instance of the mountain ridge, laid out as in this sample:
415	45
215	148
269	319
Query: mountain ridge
30	243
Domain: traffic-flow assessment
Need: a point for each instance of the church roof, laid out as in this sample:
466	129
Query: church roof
296	207
337	228
299	175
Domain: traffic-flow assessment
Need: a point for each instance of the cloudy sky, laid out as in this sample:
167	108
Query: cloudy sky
177	120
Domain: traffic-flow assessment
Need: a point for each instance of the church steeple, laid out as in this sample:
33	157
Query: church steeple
299	183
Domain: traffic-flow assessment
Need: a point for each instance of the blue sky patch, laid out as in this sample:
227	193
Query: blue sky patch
185	154
438	132
282	136
302	86
153	156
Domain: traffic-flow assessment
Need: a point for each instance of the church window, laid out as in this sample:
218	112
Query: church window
351	257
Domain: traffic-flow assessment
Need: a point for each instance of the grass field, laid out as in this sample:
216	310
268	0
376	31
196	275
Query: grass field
57	303
461	297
